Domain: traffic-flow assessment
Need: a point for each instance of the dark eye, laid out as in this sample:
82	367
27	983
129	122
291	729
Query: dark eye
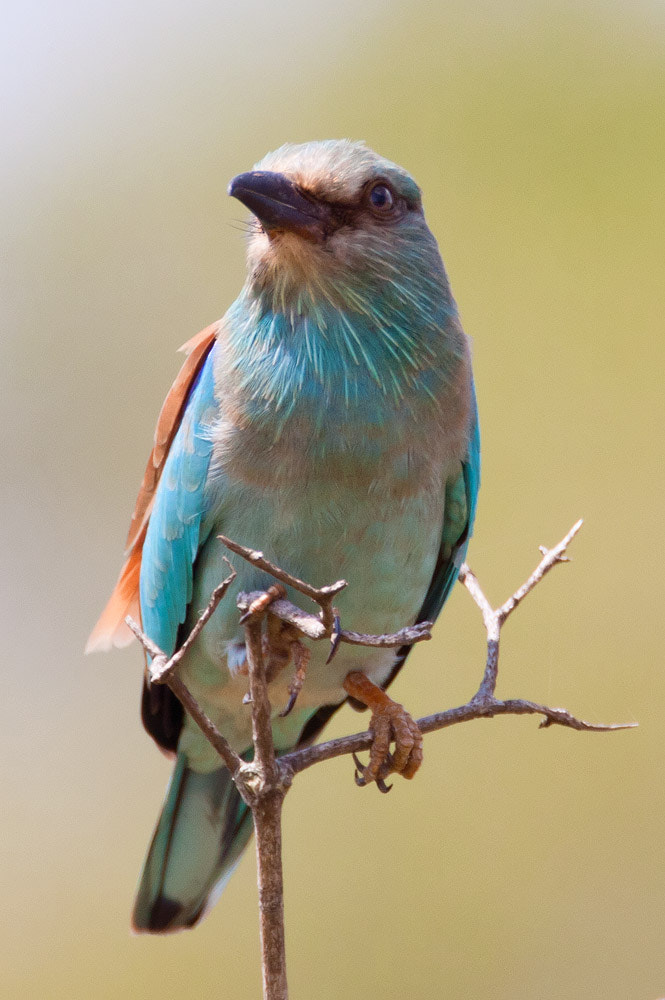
381	198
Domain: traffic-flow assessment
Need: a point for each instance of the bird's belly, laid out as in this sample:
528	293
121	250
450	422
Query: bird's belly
385	549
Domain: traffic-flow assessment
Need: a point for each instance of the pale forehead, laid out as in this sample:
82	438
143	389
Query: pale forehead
336	168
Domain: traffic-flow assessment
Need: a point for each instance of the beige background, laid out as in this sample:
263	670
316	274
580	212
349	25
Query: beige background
520	864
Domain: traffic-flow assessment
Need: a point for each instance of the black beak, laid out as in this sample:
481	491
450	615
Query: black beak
280	205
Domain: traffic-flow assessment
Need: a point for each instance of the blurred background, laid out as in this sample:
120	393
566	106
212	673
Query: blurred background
519	864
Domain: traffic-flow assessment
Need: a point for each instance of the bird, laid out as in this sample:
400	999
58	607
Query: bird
329	419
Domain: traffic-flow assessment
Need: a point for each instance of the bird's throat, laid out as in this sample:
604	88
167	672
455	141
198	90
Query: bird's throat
337	365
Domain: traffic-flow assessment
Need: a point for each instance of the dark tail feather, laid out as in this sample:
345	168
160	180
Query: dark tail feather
203	830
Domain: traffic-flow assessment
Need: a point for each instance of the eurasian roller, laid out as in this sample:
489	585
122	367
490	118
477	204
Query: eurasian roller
329	419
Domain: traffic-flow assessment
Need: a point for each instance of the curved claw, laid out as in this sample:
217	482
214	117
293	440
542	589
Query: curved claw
301	656
335	637
289	705
359	771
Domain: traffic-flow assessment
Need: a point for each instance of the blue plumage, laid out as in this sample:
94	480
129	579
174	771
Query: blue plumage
332	424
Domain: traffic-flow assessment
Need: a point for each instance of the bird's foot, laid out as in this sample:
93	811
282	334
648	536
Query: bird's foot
281	645
301	657
390	723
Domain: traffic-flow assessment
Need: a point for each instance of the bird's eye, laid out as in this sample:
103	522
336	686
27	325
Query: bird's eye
381	199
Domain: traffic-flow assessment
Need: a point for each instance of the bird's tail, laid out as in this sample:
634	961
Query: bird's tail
202	831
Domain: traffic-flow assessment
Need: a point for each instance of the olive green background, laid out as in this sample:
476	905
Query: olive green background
520	863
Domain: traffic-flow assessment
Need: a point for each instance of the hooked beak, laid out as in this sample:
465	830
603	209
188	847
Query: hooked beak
280	205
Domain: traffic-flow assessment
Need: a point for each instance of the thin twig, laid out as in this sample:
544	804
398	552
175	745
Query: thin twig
312	627
215	598
323	596
161	665
165	675
495	618
405	637
550	559
300	760
205	724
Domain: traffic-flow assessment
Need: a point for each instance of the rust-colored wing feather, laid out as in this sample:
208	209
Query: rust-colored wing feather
111	630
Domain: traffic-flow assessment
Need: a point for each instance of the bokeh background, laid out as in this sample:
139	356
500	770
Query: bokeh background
520	864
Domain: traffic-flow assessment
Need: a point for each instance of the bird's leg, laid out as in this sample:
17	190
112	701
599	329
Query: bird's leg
281	644
301	657
277	646
390	722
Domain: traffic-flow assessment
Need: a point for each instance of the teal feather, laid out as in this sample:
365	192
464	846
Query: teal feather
202	832
174	532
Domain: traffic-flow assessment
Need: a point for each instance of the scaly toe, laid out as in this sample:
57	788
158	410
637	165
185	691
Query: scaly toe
416	754
408	753
380	750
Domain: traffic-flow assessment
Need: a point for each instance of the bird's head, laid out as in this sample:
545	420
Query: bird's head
338	224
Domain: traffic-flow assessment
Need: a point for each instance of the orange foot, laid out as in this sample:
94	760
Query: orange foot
390	722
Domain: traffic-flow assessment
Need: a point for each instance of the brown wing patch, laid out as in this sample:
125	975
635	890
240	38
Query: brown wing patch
111	630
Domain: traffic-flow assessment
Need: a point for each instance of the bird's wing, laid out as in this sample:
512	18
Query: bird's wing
174	532
459	515
111	630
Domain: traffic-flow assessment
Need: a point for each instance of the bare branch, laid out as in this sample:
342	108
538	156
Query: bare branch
215	598
272	783
312	627
151	648
206	725
493	619
309	625
300	760
162	665
550	558
470	581
405	637
164	675
323	596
